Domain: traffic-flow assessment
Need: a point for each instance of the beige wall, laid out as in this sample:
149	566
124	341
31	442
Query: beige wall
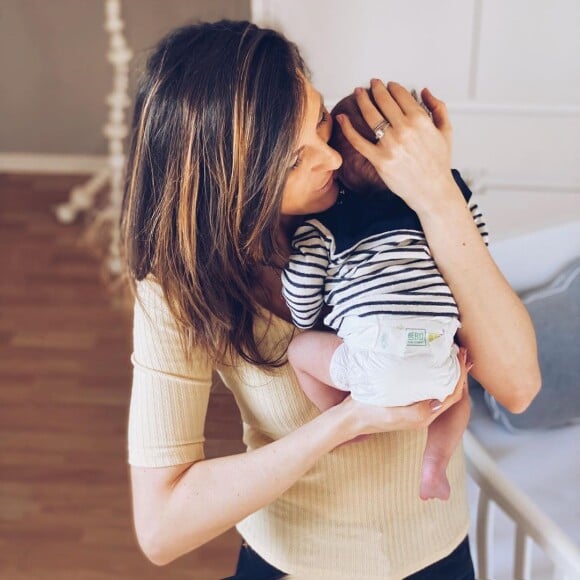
54	75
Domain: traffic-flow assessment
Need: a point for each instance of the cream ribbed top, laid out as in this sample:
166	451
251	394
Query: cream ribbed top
355	515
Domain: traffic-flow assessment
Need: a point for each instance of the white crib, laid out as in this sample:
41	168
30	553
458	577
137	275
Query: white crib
532	525
554	241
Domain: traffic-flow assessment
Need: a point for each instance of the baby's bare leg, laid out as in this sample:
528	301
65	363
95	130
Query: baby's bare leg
309	354
443	436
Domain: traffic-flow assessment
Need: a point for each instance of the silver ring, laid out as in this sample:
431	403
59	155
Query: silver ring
379	130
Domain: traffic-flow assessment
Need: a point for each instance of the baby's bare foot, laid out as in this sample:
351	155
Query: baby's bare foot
434	483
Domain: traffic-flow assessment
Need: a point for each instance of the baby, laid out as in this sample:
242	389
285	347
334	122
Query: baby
367	259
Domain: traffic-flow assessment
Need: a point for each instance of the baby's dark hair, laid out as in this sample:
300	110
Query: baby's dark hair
356	171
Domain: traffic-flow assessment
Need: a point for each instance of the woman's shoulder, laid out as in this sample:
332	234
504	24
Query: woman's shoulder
155	322
149	286
150	301
158	340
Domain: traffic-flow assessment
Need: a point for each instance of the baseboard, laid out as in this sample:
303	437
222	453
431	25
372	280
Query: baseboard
47	163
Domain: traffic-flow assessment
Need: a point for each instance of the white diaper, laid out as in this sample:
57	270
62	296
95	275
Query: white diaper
392	361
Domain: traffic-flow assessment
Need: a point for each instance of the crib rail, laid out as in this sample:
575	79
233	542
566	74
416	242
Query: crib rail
532	525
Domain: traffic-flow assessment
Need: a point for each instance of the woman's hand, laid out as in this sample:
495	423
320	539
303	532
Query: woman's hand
373	419
414	156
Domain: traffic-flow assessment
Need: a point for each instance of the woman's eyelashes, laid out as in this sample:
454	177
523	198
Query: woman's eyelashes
297	162
323	119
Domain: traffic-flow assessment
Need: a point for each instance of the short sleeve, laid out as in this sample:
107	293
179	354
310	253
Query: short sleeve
474	205
477	213
169	396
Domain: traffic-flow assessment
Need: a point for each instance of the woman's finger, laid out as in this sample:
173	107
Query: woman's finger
364	147
388	106
398	99
425	412
438	111
369	111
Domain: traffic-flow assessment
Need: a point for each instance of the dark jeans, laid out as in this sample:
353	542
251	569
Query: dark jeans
457	566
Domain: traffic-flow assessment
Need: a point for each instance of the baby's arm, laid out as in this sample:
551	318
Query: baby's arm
303	282
304	277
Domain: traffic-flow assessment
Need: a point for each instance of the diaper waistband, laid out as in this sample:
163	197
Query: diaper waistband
429	323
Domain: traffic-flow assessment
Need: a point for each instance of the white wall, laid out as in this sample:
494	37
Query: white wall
55	76
509	71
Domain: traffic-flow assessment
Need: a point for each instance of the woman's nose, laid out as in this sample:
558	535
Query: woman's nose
331	159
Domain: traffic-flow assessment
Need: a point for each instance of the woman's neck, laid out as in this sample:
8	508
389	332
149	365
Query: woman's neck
288	225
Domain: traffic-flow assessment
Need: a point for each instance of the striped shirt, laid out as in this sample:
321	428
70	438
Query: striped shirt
367	257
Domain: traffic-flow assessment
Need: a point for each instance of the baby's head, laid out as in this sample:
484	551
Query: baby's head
356	171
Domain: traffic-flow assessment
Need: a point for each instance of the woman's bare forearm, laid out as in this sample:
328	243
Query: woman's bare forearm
214	495
496	327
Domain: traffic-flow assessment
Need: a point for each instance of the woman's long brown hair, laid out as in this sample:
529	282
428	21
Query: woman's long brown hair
217	115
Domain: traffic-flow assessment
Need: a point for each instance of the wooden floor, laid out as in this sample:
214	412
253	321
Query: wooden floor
65	376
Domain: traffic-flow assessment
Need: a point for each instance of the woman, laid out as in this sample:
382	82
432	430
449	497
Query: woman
229	150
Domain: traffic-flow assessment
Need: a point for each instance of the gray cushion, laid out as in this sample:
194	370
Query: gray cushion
555	312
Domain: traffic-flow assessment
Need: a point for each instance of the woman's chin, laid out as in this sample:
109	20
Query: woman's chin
329	197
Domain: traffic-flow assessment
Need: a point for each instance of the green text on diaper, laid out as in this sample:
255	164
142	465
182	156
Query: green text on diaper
416	336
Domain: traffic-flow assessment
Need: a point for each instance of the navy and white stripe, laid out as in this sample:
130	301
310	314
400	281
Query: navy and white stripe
384	269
